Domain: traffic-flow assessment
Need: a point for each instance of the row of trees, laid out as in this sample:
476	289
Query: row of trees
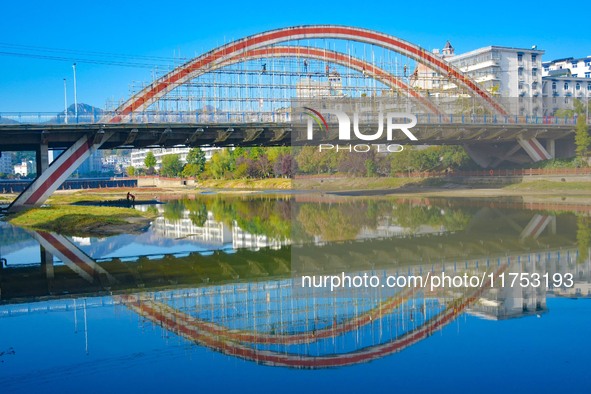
276	162
432	158
582	137
172	166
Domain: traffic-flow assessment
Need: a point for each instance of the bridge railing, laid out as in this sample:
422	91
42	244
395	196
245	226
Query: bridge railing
245	117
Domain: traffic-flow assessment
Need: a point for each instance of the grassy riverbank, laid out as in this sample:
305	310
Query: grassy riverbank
258	184
83	220
312	184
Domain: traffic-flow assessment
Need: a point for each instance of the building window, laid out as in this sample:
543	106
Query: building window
588	63
588	75
589	86
533	57
546	69
575	64
534	85
554	85
534	72
578	86
520	72
566	86
574	75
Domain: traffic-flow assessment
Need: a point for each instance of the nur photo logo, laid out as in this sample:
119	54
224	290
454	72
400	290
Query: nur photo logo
359	126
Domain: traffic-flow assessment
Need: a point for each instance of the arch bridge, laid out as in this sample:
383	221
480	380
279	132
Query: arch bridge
242	94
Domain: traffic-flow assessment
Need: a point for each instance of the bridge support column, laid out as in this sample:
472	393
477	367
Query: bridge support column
551	148
46	262
55	174
534	149
42	158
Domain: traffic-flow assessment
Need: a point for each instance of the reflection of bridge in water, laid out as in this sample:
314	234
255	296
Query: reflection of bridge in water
249	304
491	236
246	305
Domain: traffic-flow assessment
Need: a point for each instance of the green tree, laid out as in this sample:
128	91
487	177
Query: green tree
582	138
454	157
222	163
150	162
171	166
190	171
370	168
196	156
130	170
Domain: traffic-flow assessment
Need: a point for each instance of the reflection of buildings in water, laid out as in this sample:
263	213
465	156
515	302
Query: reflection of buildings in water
510	302
242	239
213	232
581	271
385	228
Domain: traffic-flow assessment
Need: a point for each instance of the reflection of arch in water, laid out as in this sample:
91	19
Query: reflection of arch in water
212	328
233	343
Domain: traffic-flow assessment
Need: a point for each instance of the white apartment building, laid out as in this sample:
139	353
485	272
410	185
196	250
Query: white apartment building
503	71
138	155
25	168
578	68
565	80
567	87
309	88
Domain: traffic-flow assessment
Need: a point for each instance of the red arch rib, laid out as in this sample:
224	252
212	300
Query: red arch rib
202	63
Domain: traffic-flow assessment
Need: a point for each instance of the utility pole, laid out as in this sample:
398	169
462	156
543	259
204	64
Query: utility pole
65	104
75	98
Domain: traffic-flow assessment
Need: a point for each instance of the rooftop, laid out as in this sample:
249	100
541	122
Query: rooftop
498	48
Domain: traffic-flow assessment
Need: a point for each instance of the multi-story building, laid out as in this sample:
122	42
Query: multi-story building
116	163
25	168
578	68
139	155
309	88
6	163
508	72
94	164
426	79
565	80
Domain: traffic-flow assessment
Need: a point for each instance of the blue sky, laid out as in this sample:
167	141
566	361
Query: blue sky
151	28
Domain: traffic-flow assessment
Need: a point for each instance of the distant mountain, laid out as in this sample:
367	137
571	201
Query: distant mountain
7	121
83	109
86	112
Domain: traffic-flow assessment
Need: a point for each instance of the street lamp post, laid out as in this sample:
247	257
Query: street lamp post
65	103
75	97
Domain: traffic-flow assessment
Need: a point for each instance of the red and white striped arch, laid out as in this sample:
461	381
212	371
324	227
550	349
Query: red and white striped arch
335	57
172	320
203	63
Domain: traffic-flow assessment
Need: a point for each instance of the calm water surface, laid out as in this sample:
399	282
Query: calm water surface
208	299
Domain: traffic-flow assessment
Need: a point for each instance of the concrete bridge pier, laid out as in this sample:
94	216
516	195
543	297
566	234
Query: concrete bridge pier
42	158
46	262
521	151
50	177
